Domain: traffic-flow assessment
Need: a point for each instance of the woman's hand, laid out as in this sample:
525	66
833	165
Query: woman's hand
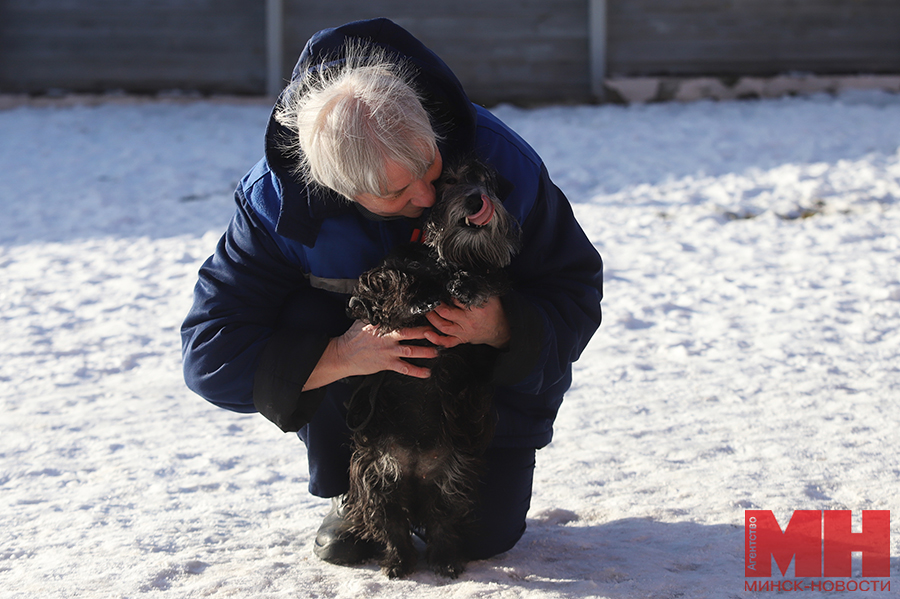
363	350
457	324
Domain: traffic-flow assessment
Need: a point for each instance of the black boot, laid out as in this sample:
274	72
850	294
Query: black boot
335	544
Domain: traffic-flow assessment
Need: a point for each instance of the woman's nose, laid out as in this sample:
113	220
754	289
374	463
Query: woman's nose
424	195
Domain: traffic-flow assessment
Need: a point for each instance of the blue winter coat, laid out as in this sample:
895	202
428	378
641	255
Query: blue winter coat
275	291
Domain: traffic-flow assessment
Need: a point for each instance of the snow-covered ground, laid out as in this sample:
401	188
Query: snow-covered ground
749	356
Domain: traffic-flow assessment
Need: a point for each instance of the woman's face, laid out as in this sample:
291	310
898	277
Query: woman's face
407	195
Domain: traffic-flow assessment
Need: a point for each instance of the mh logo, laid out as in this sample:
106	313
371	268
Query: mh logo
821	543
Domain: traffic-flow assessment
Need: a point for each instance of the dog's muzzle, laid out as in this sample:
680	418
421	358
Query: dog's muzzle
484	214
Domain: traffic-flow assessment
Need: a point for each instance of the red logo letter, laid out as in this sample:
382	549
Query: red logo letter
801	540
874	542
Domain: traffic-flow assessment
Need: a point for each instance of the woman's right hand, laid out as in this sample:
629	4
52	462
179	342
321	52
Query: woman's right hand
363	350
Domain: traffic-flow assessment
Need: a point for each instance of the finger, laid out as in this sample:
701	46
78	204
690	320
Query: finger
442	340
453	311
418	352
438	322
412	370
411	333
442	326
449	321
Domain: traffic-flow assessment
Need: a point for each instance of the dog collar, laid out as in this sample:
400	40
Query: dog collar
418	236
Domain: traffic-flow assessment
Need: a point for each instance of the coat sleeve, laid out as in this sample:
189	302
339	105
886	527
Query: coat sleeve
232	354
554	308
558	285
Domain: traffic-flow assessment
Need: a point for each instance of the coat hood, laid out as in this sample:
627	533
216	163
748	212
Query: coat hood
453	117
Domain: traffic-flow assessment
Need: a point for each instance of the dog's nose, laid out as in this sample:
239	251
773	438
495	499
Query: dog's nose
473	203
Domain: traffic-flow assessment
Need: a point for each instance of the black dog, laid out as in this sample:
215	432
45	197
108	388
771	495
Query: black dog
418	442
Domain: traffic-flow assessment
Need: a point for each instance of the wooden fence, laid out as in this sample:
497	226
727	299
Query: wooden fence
502	50
753	37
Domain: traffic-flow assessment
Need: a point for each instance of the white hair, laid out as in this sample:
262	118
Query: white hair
349	121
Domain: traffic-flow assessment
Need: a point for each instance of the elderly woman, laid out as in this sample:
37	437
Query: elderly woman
352	153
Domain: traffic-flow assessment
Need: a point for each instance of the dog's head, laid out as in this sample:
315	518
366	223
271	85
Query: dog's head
468	227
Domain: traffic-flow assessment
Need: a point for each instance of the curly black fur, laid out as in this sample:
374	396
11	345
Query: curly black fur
418	443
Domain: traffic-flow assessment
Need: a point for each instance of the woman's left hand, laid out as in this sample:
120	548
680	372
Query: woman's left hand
455	324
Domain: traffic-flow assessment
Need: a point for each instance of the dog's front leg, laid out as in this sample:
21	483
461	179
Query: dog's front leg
444	552
400	554
446	523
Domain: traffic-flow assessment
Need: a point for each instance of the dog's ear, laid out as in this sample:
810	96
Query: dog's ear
386	297
359	309
373	295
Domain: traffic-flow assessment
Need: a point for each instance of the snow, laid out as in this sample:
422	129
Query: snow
749	356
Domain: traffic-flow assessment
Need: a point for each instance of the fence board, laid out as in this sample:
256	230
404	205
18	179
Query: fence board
502	50
98	45
753	37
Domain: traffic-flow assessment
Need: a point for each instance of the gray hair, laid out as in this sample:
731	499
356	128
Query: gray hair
349	121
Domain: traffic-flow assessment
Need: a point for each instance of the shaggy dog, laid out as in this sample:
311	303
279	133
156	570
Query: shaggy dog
418	443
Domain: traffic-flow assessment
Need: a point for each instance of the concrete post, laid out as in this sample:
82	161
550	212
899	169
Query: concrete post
274	47
597	35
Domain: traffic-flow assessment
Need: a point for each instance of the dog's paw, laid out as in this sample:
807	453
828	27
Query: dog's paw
445	560
398	569
450	570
